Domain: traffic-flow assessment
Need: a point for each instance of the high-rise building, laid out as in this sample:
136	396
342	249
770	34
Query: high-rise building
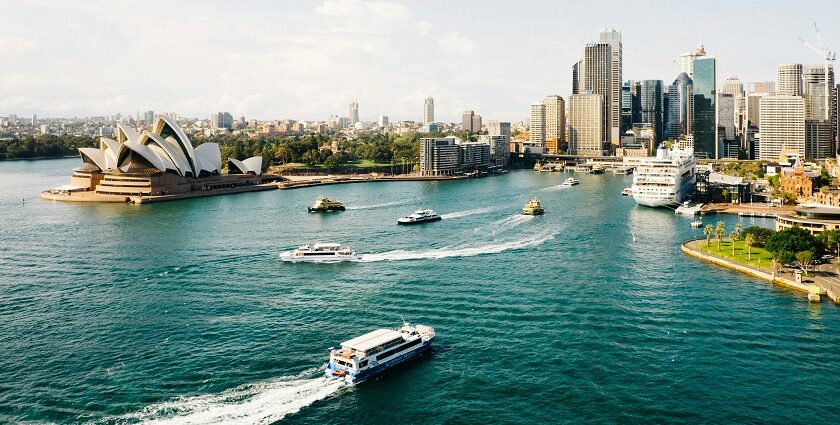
704	123
536	128
733	86
687	60
555	122
428	111
439	156
586	124
753	108
627	91
819	139
647	100
34	120
149	117
467	121
499	147
680	101
498	128
12	119
726	116
767	87
577	77
613	38
383	121
221	120
597	79
789	79
782	125
819	96
354	112
476	123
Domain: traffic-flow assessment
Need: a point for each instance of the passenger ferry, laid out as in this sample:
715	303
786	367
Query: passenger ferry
321	253
666	179
598	169
533	207
370	354
571	181
418	217
323	204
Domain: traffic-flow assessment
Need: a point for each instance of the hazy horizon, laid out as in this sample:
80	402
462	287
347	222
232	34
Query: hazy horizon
308	60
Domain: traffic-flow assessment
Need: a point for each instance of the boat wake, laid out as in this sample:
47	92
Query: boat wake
464	251
554	188
261	403
508	223
466	213
368	207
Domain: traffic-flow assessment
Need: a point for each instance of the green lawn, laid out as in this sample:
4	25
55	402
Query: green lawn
361	163
759	256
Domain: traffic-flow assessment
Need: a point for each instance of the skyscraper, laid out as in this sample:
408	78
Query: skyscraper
597	79
555	122
733	86
704	124
613	38
354	112
149	117
627	90
687	59
428	111
586	124
648	97
577	76
680	101
819	97
221	120
537	123
383	121
789	79
467	121
34	120
476	123
726	116
782	125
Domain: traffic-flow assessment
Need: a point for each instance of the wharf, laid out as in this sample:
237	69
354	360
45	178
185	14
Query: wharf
747	210
827	281
311	181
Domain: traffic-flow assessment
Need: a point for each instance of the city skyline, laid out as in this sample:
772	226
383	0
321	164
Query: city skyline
308	61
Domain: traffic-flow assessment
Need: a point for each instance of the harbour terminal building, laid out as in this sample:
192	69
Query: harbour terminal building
158	162
447	156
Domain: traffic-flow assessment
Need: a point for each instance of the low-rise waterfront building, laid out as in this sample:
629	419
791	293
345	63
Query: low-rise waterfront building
814	218
798	180
439	156
499	148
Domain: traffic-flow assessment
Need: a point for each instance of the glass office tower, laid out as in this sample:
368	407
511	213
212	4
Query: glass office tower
704	123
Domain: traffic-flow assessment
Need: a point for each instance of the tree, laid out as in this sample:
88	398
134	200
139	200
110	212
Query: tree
760	235
830	239
720	230
792	240
738	229
708	231
805	258
725	194
749	240
734	236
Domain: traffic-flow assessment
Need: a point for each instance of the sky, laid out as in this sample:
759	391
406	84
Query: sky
306	60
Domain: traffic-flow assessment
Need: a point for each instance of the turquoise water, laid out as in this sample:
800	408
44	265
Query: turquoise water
181	312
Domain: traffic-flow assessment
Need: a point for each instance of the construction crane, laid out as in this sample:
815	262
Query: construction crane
828	58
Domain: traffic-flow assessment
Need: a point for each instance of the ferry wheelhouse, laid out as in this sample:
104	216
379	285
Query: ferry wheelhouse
375	351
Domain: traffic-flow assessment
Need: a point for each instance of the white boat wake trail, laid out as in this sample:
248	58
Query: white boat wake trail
508	223
367	207
466	213
261	403
467	251
554	188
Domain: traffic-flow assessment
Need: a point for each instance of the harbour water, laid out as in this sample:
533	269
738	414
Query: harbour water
182	313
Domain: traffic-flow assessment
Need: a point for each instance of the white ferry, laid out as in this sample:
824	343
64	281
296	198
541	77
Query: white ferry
418	217
375	351
571	181
321	253
665	179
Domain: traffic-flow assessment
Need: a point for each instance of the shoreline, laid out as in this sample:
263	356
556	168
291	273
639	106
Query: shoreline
346	179
748	210
754	272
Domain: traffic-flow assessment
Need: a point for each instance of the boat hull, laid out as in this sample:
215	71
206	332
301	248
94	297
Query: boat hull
425	220
536	212
321	260
327	209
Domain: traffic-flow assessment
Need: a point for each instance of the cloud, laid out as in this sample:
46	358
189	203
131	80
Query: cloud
362	8
456	44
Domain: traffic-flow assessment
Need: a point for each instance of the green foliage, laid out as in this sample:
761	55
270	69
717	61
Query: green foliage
792	240
760	235
44	146
805	258
829	239
774	181
825	178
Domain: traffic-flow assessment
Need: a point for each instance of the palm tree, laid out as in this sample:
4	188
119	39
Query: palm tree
738	229
749	240
708	231
720	230
734	236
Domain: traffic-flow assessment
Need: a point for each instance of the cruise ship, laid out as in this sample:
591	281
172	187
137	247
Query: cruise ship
375	351
666	179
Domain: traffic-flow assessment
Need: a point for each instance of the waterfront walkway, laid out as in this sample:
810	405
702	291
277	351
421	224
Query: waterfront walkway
824	277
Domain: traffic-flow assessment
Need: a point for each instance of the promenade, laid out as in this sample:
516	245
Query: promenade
825	276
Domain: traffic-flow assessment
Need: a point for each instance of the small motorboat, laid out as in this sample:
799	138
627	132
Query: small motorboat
696	223
626	191
571	181
422	216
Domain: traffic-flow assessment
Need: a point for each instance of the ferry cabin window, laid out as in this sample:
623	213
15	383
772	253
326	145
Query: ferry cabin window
363	363
392	351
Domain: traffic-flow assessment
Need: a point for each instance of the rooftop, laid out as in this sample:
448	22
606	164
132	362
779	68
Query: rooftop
372	339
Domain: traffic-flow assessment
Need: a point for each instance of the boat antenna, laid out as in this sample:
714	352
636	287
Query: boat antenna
403	320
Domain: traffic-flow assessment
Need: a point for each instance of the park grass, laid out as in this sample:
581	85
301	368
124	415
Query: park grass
760	257
360	163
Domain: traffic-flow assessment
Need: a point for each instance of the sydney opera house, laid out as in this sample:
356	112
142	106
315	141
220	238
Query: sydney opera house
159	163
